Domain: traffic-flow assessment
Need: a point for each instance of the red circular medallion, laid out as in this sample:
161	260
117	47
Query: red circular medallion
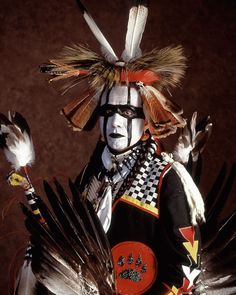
135	267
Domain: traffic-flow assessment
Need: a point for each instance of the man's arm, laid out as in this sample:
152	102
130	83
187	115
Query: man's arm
180	265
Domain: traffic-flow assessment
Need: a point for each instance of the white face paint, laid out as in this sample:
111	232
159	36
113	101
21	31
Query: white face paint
119	124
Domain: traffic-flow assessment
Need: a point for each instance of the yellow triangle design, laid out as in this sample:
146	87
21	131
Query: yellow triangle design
192	249
174	291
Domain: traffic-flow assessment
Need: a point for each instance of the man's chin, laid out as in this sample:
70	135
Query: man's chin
117	149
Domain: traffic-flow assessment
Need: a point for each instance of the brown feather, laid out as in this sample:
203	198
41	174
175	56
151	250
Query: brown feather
73	61
161	131
163	115
79	111
169	63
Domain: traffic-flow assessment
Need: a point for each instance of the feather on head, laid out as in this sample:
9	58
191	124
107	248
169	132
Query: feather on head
151	72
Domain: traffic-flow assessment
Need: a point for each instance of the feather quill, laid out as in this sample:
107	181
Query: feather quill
136	25
16	141
106	48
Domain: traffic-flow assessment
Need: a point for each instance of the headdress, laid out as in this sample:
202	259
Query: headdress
150	72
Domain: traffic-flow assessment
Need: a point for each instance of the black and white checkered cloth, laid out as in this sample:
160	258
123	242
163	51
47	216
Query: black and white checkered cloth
144	186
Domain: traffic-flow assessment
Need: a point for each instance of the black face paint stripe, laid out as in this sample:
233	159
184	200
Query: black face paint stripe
108	110
129	129
129	121
106	118
128	97
108	95
100	102
102	92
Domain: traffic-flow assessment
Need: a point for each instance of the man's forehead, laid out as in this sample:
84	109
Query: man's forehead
122	94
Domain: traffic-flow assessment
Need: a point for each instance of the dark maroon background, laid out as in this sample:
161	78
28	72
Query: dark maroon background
33	31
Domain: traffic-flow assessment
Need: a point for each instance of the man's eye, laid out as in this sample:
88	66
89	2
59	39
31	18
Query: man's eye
128	112
109	112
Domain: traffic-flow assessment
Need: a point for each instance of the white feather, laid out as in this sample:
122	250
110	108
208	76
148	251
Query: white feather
20	149
185	143
189	140
193	124
183	147
16	140
182	152
136	25
105	46
26	280
194	198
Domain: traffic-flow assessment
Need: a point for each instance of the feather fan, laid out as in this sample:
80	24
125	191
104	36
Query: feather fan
16	141
218	240
71	254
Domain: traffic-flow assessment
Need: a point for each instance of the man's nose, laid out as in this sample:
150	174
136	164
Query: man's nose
116	120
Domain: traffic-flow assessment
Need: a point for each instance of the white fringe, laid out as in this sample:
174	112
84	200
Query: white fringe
194	198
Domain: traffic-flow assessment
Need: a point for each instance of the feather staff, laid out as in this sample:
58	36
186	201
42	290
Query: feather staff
17	144
105	46
136	25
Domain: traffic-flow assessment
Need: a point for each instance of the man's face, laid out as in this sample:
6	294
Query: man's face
121	117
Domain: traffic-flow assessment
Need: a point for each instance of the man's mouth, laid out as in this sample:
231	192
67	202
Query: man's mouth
116	135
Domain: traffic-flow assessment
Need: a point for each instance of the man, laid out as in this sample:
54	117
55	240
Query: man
156	248
147	203
149	216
